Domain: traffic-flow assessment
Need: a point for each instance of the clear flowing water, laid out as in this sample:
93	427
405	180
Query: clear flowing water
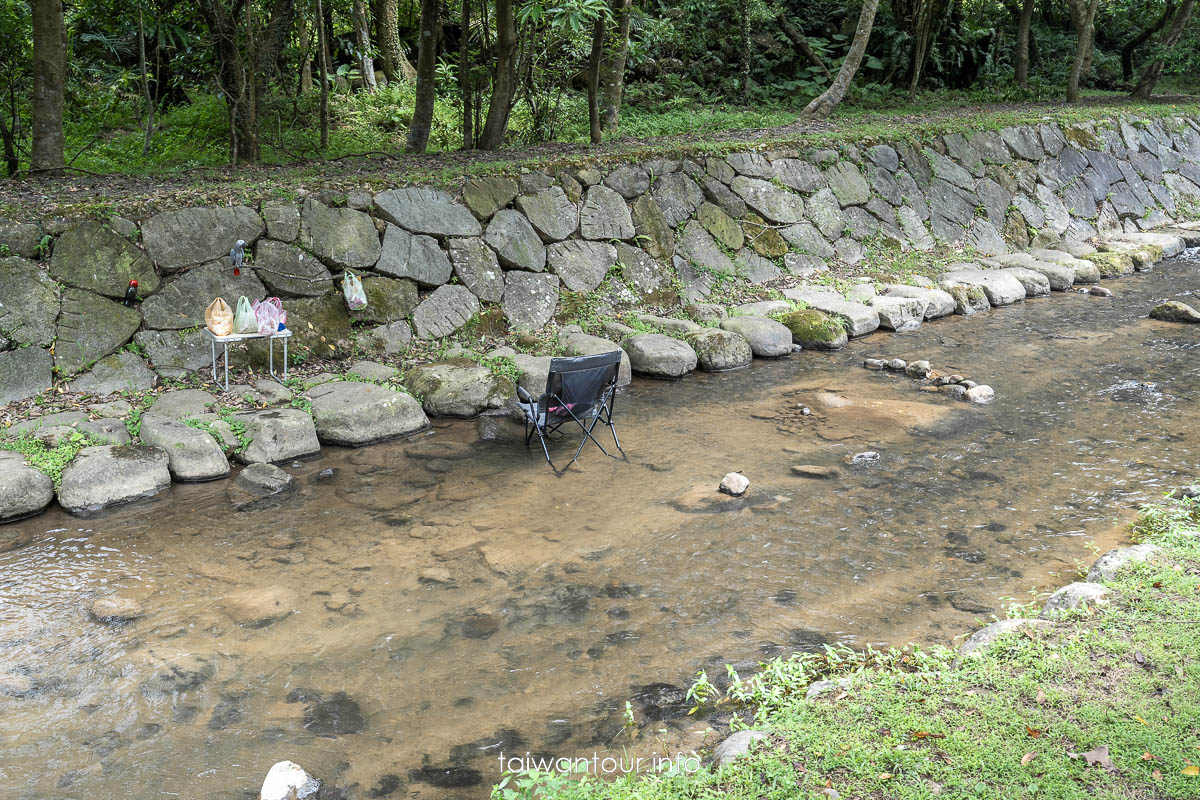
453	599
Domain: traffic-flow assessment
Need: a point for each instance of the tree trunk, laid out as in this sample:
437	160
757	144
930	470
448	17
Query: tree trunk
612	68
1153	70
1022	58
323	72
305	34
145	84
233	80
422	120
1140	39
1084	20
593	79
362	43
744	13
823	106
49	81
922	28
387	36
504	85
464	77
797	38
11	164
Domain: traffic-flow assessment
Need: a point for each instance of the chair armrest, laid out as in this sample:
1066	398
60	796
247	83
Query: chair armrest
524	395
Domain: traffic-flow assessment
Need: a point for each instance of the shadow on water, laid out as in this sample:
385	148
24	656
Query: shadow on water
427	606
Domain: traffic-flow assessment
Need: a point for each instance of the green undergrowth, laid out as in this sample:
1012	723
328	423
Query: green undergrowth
51	461
1104	704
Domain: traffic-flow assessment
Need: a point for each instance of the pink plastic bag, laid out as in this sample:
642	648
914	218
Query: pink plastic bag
270	315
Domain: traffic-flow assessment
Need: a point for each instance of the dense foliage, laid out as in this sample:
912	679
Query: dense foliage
157	84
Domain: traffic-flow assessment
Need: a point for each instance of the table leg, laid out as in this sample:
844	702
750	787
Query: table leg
226	365
213	342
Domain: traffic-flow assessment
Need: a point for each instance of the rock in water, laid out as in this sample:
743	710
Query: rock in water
1174	311
287	780
734	484
981	395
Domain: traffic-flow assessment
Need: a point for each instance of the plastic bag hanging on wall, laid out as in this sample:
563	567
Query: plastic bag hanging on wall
352	288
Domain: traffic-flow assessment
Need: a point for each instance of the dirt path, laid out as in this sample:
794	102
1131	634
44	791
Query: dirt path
138	196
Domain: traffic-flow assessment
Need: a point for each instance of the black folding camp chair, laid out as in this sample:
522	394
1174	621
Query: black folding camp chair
580	389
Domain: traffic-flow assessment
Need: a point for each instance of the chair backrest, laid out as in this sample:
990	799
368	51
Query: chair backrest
580	382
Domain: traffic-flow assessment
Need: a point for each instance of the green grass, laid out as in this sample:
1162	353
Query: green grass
913	725
50	461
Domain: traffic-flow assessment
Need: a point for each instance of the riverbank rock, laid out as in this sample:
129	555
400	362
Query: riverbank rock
354	414
999	288
90	256
260	606
187	236
278	434
89	328
114	608
938	303
898	313
815	330
109	475
981	395
575	342
120	372
734	484
1108	565
1033	282
180	403
192	454
984	637
656	355
1175	311
458	388
24	491
815	471
1075	595
767	338
719	350
734	745
858	319
288	781
29	302
258	484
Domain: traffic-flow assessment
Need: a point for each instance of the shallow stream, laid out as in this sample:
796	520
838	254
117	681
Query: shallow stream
454	599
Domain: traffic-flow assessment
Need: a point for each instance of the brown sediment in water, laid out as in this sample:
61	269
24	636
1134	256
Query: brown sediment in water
401	621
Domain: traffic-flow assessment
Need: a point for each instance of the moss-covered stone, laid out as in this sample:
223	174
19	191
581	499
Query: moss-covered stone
1111	264
723	227
815	330
763	239
1083	138
1016	231
1174	311
967	299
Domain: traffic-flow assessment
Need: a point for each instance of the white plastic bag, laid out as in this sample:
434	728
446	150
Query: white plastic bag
244	320
352	288
268	313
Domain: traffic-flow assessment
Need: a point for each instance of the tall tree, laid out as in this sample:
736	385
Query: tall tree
924	12
387	37
1171	36
465	83
796	37
504	82
323	69
821	107
1024	26
612	66
49	82
1141	38
305	33
427	47
1083	17
593	78
362	44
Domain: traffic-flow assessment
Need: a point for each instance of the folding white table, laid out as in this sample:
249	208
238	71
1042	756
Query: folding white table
225	341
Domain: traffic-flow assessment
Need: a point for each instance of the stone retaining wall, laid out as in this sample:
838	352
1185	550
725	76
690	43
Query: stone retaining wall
1046	208
509	247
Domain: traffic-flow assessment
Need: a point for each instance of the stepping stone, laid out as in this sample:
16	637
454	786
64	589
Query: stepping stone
718	350
1085	271
278	434
354	414
656	355
24	491
110	475
899	313
1000	289
1033	282
192	454
179	403
1060	276
767	337
859	319
1171	244
937	302
459	388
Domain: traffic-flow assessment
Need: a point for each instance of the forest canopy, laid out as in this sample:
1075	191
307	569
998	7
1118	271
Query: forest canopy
153	85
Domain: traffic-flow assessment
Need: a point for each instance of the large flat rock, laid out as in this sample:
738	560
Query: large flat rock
24	491
444	311
278	434
182	301
187	236
90	256
353	414
937	302
530	299
288	271
427	211
192	454
859	319
719	350
409	255
110	475
767	337
656	355
25	372
120	372
341	237
458	388
29	302
899	313
1001	289
89	328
